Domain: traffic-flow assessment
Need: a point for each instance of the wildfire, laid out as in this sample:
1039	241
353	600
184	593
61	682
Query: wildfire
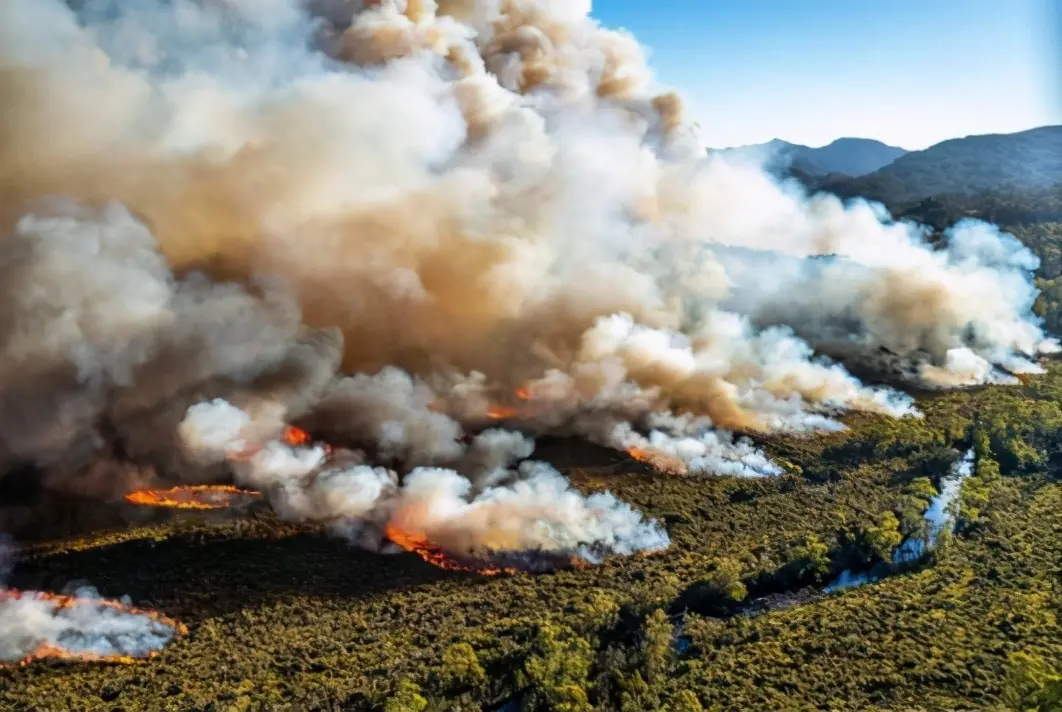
501	412
639	454
496	411
193	497
434	555
296	437
48	650
292	437
658	460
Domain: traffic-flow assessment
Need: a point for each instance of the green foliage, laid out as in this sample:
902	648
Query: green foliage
599	611
977	490
657	648
725	577
810	560
882	537
636	694
275	623
921	488
1032	684
569	698
559	669
461	667
406	698
685	701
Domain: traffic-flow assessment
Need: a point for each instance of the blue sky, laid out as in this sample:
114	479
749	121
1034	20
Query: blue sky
907	72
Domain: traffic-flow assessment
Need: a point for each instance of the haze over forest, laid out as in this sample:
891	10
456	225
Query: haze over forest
415	356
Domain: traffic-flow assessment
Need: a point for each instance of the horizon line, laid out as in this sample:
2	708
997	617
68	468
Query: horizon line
877	140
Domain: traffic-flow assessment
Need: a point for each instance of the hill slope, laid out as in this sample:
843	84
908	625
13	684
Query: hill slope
975	164
847	156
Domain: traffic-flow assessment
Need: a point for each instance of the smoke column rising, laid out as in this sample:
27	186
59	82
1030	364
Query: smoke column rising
383	219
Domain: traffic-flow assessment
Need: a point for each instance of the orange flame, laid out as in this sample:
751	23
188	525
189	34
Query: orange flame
292	437
193	497
640	454
434	555
48	651
523	393
501	412
296	437
658	460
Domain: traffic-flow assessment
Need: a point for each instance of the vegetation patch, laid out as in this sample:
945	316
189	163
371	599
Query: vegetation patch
284	617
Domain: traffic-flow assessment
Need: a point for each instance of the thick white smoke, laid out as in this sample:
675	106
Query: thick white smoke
490	201
81	625
529	510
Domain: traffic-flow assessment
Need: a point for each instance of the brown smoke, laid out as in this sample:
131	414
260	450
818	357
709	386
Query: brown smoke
383	220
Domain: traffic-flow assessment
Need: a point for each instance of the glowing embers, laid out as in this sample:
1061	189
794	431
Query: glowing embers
658	460
81	628
435	556
498	410
501	412
296	437
492	564
194	497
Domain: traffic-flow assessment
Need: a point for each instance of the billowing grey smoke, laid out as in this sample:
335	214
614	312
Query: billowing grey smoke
402	223
100	342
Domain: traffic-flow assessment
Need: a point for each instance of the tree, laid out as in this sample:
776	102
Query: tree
658	646
882	538
922	488
1031	684
406	698
726	578
559	669
461	667
811	560
686	701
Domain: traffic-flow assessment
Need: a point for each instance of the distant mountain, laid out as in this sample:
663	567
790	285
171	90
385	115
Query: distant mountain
1028	160
845	156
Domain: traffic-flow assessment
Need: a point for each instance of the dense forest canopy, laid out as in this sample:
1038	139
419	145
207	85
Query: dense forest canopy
734	616
417	298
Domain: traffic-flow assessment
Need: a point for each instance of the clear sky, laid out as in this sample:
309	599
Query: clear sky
907	72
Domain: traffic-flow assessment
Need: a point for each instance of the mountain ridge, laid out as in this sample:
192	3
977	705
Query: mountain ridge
1024	160
848	156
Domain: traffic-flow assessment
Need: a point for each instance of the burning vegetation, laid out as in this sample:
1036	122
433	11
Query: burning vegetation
658	460
435	556
194	497
79	628
374	229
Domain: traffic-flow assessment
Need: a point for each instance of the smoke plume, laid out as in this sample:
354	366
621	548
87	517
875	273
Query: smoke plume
532	509
429	231
79	626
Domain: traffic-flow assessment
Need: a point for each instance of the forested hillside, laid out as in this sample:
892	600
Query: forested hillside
1030	160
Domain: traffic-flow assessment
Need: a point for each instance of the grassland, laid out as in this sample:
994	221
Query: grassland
288	618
